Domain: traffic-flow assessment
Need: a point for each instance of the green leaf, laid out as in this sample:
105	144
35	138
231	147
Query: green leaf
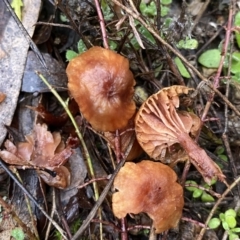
164	11
197	193
191	189
231	221
237	23
16	5
210	58
222	216
112	45
223	157
235	66
214	223
166	2
149	10
207	197
188	44
219	150
147	35
236	230
233	237
184	72
230	212
17	233
81	46
225	225
70	54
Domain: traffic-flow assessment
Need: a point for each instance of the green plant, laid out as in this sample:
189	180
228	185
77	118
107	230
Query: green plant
228	222
18	234
198	192
70	54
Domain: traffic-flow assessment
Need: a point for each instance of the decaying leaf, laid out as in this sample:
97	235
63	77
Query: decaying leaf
42	149
149	187
159	126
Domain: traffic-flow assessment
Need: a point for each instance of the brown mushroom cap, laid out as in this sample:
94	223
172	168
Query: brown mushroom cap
101	83
149	187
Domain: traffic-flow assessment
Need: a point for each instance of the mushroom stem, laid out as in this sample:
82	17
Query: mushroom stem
198	157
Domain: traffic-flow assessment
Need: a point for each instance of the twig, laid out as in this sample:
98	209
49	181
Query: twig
98	203
15	171
218	74
178	54
217	195
32	199
102	24
200	236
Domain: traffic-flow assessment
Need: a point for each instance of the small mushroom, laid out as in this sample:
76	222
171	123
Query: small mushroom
101	83
159	125
149	187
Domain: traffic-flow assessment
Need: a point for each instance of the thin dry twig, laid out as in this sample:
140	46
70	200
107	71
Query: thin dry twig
227	191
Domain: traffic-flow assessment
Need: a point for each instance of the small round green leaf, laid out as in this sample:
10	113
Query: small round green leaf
210	58
231	221
81	46
17	233
207	197
164	11
188	44
191	189
222	216
214	223
197	193
70	54
225	225
233	237
230	212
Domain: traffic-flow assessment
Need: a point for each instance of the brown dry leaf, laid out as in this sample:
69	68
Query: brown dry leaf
149	187
159	126
42	149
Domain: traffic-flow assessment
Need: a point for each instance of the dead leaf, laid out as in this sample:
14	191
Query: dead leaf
42	149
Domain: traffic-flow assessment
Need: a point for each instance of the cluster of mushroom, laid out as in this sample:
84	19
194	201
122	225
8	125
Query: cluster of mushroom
103	86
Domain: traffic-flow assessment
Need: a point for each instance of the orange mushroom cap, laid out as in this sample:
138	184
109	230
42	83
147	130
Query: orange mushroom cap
149	187
101	83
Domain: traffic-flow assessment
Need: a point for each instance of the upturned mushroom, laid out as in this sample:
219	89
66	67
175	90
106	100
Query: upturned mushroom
159	126
149	187
102	85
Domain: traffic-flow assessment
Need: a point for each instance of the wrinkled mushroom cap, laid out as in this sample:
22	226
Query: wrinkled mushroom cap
101	83
149	187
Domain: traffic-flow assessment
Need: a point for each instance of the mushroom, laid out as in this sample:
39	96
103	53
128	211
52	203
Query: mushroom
102	85
159	125
149	187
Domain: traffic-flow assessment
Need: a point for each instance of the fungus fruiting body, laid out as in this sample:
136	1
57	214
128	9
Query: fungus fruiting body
101	83
149	187
159	126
